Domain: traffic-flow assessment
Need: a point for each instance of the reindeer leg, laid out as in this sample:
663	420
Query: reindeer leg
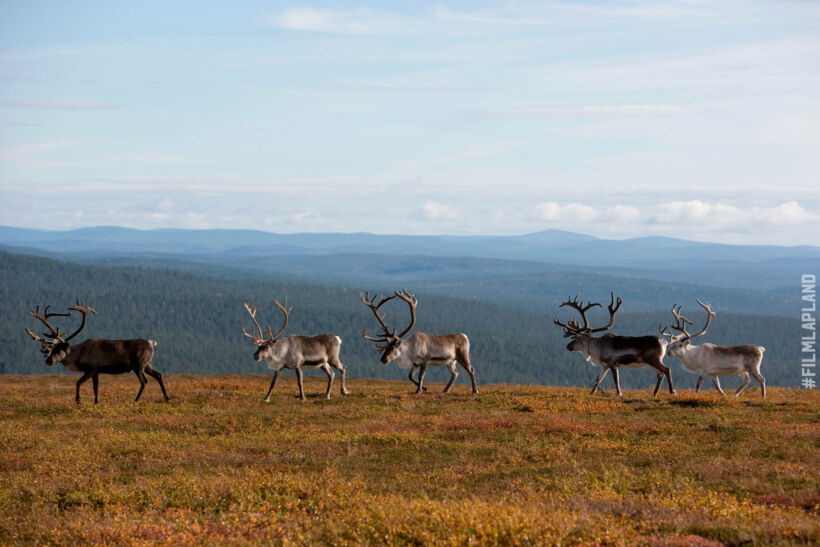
668	373
415	382
464	361
272	385
716	381
759	377
658	385
95	381
143	381
604	370
158	377
422	370
330	376
301	384
335	363
663	370
700	382
745	383
85	377
412	370
454	372
617	381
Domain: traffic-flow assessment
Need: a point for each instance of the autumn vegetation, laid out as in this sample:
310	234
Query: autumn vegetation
514	465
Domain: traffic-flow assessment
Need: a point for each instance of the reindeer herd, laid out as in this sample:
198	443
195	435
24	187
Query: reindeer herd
415	352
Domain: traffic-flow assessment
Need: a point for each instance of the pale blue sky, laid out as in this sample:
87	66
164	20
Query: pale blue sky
694	119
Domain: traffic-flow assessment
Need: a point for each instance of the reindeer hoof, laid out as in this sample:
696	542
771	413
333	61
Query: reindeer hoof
346	393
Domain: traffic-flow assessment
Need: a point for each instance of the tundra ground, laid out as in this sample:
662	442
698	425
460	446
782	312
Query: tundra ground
513	465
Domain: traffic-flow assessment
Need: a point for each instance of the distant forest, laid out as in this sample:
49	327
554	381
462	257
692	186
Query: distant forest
198	320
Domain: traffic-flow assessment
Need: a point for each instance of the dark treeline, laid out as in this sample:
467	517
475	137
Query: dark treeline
522	285
198	321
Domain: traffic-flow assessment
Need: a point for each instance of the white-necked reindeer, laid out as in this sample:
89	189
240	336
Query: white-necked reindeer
612	351
296	352
420	350
713	360
94	356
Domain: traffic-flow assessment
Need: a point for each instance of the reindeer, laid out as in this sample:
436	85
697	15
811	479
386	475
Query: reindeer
95	356
296	352
420	350
713	360
612	351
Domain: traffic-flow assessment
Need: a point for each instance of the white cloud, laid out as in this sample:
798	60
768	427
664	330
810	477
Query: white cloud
305	217
555	212
195	221
699	212
59	104
165	205
146	158
406	88
789	213
623	213
358	21
433	210
444	13
37	54
593	110
703	214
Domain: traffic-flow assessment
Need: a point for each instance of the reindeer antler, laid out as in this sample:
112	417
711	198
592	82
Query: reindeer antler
573	328
613	309
83	309
371	303
252	312
44	317
412	302
681	322
286	311
54	334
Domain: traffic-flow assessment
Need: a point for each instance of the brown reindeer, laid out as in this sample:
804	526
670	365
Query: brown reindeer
420	350
612	351
94	356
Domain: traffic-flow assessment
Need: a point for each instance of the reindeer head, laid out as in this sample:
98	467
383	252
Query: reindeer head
53	344
580	334
678	344
265	347
389	343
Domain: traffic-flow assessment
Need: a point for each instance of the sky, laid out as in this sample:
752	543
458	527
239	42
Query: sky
691	119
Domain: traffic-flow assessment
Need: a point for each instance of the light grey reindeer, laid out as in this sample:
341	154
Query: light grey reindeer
713	360
296	352
419	350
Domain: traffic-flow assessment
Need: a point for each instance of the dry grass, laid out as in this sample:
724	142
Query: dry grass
515	465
